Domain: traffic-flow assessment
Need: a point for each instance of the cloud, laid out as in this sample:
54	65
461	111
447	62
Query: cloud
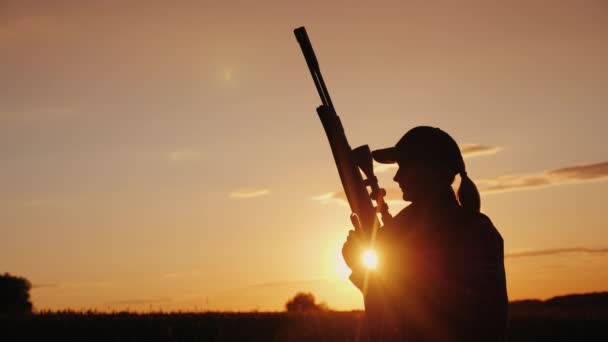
248	193
582	172
183	156
380	168
71	286
393	195
474	150
44	286
554	251
566	175
337	197
84	284
512	182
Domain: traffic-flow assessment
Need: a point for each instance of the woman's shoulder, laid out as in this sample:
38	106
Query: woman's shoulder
483	222
404	215
398	226
481	230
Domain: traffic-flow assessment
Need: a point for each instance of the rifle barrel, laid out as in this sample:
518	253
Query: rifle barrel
313	65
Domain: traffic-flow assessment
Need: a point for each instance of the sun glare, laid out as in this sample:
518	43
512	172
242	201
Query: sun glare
227	75
343	269
370	259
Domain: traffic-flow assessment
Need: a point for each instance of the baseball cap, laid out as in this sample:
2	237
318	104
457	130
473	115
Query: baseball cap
423	143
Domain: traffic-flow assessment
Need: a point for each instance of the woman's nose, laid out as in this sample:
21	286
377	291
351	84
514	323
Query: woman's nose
397	175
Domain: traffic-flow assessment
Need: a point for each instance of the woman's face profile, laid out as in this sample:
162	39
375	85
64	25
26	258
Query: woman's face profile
418	180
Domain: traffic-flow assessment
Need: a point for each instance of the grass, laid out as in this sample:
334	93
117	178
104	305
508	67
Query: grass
526	324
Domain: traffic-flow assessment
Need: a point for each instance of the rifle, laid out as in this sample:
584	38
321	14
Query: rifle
348	161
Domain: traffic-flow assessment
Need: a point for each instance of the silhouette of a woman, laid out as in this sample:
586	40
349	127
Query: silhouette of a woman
440	273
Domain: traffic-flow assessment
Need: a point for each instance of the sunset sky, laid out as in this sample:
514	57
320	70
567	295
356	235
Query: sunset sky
167	155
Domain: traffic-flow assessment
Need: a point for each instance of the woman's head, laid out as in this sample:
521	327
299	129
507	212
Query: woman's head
428	160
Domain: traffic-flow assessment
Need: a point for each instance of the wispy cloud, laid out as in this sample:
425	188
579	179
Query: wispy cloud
44	286
71	286
512	182
185	155
248	193
554	251
336	197
582	172
474	150
94	284
566	175
339	197
380	168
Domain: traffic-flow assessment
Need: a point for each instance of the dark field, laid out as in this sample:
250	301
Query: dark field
529	322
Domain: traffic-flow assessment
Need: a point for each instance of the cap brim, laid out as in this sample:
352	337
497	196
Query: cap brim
385	155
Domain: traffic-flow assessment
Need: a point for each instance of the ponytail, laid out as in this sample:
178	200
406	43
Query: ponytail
468	195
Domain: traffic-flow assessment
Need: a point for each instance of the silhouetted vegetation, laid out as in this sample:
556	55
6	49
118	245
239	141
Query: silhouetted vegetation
580	306
14	295
588	300
529	321
304	302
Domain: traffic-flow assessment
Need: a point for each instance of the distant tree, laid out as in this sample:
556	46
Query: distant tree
304	302
14	295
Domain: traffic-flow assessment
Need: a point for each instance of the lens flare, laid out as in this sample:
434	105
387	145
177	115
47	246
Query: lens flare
370	259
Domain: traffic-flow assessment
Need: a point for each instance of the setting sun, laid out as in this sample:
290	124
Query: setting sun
370	259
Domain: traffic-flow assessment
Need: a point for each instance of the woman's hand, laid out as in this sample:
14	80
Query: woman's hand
352	249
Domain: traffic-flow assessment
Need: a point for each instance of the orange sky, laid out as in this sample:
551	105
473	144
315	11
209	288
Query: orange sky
161	155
